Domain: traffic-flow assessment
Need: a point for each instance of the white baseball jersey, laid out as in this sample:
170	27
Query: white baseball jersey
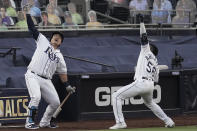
47	60
147	65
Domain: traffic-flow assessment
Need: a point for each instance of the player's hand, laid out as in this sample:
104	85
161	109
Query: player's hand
70	89
141	18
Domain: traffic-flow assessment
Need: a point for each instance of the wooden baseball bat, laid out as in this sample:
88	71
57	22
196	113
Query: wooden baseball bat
60	106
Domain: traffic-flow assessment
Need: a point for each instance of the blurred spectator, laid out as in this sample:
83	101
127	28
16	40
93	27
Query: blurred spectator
190	8
68	21
93	23
76	17
180	19
52	18
35	3
34	11
138	7
6	20
11	2
2	27
21	20
168	6
161	11
45	23
58	10
10	11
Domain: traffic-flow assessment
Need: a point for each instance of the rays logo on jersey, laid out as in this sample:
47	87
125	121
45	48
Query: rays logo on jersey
52	56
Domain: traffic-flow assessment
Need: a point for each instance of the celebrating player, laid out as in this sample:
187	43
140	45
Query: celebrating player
147	72
47	60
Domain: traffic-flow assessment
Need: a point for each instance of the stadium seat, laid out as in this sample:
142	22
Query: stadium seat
100	6
120	13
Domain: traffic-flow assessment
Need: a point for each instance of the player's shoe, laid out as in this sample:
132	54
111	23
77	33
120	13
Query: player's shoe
52	124
49	126
170	123
31	126
119	126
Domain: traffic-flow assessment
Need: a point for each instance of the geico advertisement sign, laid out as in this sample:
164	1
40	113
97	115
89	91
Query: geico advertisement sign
13	107
103	96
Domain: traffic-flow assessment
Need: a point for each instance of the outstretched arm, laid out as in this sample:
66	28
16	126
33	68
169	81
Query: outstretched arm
31	27
143	34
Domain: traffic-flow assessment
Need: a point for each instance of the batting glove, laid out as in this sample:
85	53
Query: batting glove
70	89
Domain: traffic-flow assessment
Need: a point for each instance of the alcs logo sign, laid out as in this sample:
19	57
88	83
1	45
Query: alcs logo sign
103	96
13	107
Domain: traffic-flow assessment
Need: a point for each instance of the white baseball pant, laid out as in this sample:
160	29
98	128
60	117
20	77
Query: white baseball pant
38	87
142	87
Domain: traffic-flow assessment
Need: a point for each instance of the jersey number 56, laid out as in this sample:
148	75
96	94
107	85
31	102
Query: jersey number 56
150	68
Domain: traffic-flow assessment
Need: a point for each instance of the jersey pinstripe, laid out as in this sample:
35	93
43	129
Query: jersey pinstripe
147	65
46	60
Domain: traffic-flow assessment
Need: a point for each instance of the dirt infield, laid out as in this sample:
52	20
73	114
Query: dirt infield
183	120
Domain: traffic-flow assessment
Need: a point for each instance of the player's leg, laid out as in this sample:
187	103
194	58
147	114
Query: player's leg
128	91
35	95
156	109
51	97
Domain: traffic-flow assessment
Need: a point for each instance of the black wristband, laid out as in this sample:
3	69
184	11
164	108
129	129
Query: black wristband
66	84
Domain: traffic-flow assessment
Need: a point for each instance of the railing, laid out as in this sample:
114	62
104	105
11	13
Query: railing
104	66
103	27
109	30
4	51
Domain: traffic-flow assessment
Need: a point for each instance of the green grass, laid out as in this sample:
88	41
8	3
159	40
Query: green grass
178	128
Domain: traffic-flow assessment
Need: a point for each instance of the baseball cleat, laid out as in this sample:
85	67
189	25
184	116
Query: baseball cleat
31	126
170	124
52	124
119	126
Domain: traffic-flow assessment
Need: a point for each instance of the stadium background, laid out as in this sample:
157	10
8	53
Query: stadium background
117	47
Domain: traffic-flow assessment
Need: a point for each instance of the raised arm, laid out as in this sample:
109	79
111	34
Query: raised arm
143	34
31	27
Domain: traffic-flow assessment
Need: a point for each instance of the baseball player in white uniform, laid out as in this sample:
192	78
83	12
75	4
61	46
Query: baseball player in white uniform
47	59
147	72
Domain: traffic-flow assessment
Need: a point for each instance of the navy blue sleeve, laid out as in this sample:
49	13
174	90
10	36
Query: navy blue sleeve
143	34
31	27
